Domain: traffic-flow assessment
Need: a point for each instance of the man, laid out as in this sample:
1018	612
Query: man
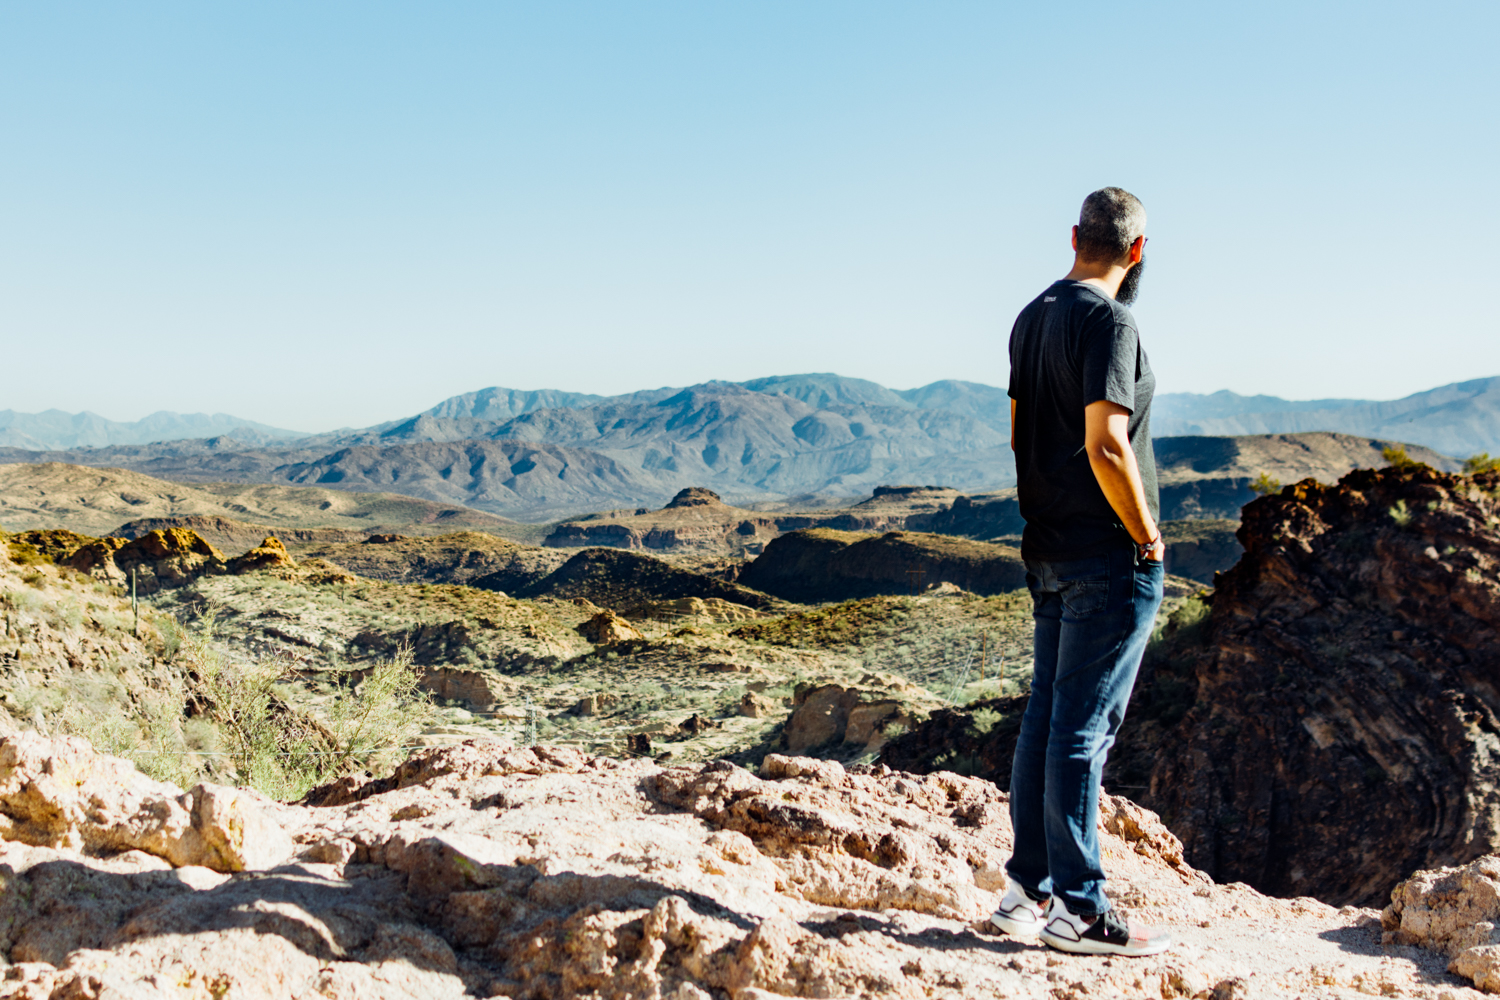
1080	389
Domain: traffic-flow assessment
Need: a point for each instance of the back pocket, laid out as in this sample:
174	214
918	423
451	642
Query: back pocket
1085	591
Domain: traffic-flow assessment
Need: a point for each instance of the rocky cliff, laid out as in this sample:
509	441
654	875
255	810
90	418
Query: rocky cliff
1332	721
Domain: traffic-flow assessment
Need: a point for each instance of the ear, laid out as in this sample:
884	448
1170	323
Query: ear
1075	239
1136	249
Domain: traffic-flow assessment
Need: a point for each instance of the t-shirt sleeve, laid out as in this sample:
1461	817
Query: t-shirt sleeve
1109	361
1011	353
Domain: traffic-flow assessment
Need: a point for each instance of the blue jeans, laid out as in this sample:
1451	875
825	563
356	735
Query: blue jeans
1093	619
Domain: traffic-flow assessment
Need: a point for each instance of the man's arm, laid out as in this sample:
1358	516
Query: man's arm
1107	439
1012	425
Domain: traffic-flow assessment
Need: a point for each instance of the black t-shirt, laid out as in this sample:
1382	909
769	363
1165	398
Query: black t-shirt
1071	346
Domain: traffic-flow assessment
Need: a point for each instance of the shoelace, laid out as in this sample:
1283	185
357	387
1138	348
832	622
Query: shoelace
1115	926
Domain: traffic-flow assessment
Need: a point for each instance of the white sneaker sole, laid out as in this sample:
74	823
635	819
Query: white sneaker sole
1088	946
1016	925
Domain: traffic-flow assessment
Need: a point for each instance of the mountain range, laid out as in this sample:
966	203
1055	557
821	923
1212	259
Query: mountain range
1458	419
54	429
538	455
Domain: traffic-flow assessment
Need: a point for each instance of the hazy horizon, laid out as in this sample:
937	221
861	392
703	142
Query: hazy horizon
644	388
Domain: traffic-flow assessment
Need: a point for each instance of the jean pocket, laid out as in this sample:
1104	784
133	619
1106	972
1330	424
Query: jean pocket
1083	586
1083	598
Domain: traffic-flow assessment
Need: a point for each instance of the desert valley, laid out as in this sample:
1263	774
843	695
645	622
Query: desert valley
712	693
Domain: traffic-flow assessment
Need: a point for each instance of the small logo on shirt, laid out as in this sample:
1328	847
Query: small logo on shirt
1049	298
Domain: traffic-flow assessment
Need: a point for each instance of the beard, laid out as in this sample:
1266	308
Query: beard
1130	288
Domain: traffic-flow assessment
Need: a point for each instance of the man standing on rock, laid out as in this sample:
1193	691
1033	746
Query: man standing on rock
1080	391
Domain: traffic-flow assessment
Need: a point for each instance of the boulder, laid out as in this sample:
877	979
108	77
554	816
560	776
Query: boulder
60	793
97	558
607	628
831	714
475	688
595	704
270	554
758	706
168	557
1454	911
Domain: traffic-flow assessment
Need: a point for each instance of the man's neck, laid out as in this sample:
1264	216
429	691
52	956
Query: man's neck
1103	276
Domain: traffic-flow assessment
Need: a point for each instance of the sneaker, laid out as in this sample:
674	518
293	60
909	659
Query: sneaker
1107	934
1019	914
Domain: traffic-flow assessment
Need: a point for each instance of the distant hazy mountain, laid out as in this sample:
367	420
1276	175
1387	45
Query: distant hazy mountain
826	389
496	403
54	429
1459	419
1191	406
547	453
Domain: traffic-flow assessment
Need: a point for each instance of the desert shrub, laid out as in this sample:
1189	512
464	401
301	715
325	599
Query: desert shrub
372	725
1264	485
1397	458
67	614
1400	514
110	621
171	637
26	699
983	720
1482	462
34	578
26	554
230	721
28	601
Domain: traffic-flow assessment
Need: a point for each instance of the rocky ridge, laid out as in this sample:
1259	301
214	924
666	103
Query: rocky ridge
1348	657
487	870
697	520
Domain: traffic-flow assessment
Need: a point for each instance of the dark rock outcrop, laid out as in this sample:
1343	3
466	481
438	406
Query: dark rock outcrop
1328	720
820	564
1332	722
615	578
1200	548
982	518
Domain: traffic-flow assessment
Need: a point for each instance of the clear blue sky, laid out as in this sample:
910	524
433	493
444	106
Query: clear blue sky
330	214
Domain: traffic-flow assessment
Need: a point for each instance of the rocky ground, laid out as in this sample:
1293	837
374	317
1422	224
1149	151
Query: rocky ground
485	870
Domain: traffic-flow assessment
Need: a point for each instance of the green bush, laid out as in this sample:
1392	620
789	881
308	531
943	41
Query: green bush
244	730
1264	485
1482	462
1397	458
26	554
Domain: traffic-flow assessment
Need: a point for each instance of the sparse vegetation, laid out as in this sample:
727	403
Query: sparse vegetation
1397	458
1401	514
1264	485
1482	462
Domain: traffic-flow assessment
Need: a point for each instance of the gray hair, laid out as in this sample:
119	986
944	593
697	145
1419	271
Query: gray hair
1111	220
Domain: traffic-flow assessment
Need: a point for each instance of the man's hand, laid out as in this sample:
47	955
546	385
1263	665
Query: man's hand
1107	440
